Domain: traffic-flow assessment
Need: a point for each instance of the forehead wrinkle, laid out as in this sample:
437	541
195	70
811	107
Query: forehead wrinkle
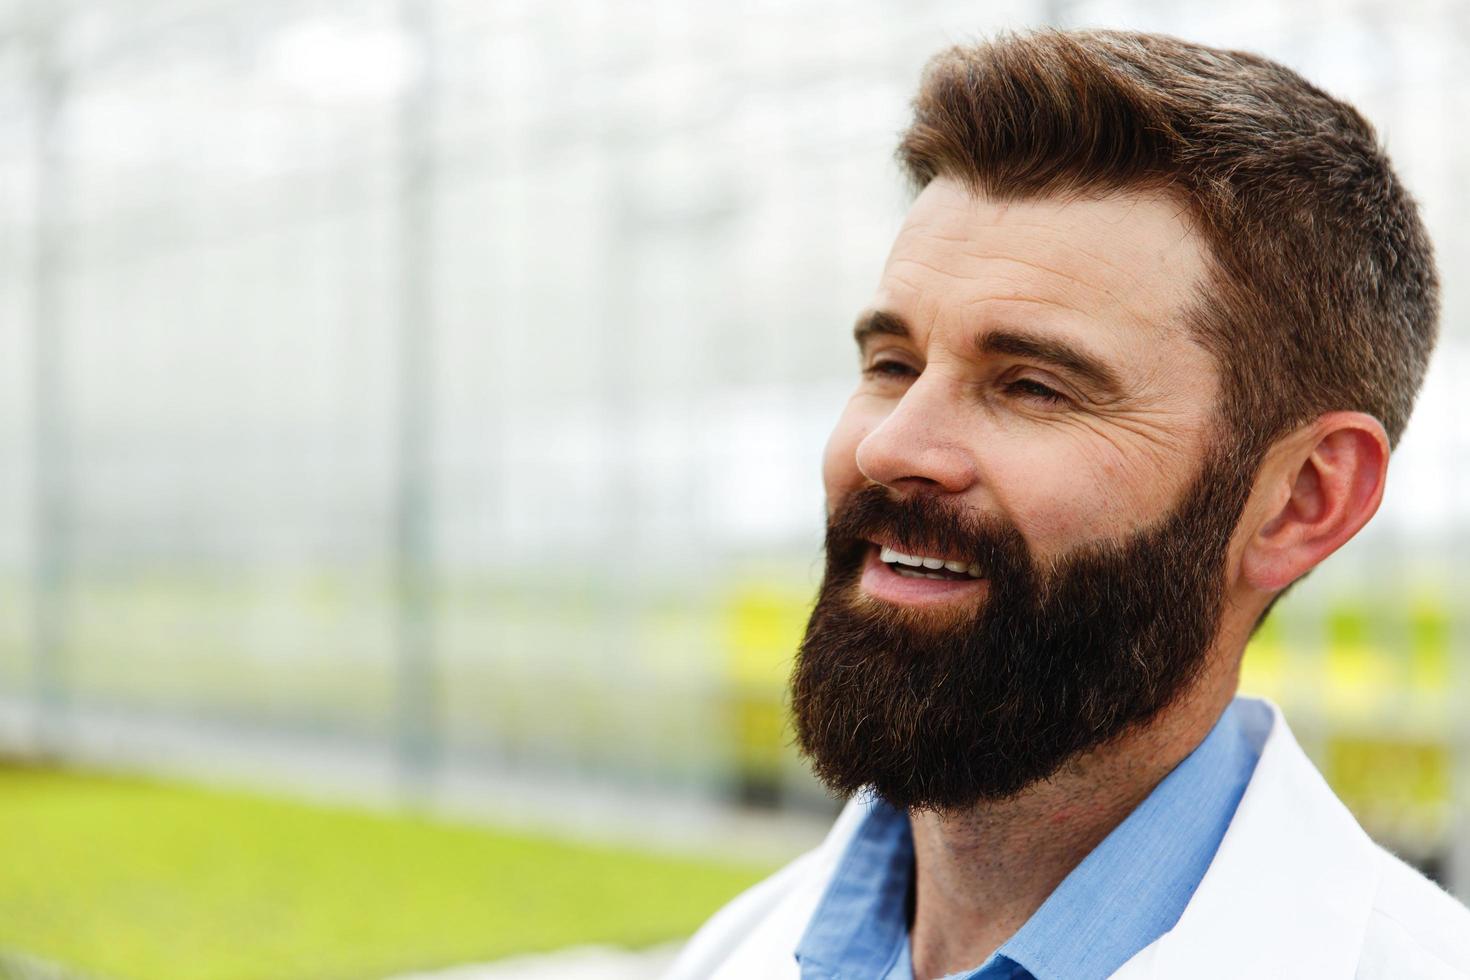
1181	279
923	314
1164	319
1052	239
1162	262
930	266
1042	267
1060	243
1151	302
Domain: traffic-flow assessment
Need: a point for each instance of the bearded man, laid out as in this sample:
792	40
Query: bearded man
1134	366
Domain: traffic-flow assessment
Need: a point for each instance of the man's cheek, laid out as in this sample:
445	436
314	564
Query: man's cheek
840	473
834	478
1054	530
1092	492
1058	509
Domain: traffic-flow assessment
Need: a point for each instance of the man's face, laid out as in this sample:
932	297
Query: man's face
1032	410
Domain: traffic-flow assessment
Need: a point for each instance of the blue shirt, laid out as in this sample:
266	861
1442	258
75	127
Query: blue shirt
1127	892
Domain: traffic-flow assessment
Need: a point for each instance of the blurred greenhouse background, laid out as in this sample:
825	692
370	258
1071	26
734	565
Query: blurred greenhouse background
424	400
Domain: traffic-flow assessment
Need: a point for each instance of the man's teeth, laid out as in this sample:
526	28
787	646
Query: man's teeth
892	557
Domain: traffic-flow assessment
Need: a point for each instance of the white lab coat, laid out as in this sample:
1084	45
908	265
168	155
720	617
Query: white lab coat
1297	890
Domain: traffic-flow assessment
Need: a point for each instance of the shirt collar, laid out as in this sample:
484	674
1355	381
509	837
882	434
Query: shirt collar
1156	856
861	923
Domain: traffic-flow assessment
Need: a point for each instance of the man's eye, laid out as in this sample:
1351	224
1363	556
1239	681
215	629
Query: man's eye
888	369
1029	388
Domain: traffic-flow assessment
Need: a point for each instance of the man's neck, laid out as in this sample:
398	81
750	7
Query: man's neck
982	873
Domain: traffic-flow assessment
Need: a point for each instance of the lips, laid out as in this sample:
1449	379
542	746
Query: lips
906	584
924	566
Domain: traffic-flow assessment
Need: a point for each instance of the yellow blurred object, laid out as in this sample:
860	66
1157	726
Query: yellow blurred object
1377	696
1399	787
764	626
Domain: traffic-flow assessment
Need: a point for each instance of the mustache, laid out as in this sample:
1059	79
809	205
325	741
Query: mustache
922	524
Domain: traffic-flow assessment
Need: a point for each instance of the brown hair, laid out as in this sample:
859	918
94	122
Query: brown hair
1323	294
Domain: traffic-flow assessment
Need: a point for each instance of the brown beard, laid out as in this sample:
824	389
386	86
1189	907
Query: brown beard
941	714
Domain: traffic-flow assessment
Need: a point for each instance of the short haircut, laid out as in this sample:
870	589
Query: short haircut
1322	295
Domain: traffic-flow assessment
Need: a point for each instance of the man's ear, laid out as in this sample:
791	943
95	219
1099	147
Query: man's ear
1323	486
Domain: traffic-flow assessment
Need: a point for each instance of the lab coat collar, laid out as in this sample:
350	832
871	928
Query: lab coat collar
1290	891
1291	888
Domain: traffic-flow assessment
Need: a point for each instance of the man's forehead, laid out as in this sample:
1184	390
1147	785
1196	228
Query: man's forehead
1126	257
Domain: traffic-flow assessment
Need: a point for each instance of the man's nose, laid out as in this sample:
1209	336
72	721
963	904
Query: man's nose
920	445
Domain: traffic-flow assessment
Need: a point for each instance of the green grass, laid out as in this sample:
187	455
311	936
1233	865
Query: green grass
130	878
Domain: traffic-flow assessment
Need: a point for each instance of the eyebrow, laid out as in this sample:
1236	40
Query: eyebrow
879	323
1048	350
